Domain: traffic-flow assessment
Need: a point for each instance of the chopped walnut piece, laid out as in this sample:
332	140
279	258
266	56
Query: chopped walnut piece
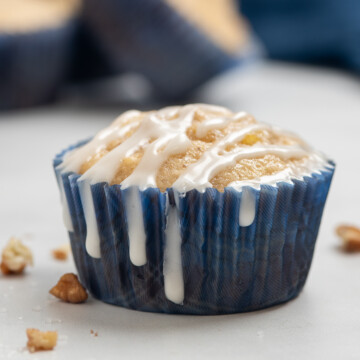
62	252
69	289
350	236
41	340
15	257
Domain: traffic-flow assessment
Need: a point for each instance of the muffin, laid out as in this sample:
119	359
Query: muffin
35	44
177	45
193	210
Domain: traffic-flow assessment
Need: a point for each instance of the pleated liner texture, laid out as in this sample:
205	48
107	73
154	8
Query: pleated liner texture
227	268
151	38
33	65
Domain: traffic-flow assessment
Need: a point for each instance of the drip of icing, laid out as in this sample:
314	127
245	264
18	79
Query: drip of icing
65	207
136	230
173	274
92	243
247	207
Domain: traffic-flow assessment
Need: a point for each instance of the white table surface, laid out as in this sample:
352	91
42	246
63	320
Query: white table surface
322	323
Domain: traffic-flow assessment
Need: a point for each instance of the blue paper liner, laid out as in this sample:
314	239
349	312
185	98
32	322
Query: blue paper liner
227	268
151	38
34	64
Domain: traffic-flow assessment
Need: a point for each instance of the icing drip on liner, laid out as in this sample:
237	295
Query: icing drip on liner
161	135
92	242
247	209
136	230
173	273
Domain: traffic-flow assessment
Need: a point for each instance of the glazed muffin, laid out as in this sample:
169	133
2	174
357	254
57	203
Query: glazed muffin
177	45
35	44
193	209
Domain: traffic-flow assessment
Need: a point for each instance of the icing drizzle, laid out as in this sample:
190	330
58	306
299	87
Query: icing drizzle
160	135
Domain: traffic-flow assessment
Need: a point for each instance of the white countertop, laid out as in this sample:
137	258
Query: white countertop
322	323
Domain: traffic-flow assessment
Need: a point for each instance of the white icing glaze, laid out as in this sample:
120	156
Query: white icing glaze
136	231
162	134
169	134
173	273
198	175
217	123
74	159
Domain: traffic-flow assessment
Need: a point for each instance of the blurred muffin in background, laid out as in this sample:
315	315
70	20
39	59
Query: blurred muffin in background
176	44
35	45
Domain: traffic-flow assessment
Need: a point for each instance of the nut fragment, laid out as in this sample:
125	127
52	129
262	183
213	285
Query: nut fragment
62	252
350	236
41	340
69	289
15	257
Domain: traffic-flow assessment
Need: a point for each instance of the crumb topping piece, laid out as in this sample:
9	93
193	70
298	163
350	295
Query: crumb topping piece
69	289
350	236
15	257
62	252
41	340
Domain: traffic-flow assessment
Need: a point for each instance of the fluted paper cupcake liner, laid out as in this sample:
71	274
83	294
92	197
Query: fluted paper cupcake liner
151	38
33	65
226	268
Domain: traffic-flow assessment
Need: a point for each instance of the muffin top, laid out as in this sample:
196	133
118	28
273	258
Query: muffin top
31	15
189	147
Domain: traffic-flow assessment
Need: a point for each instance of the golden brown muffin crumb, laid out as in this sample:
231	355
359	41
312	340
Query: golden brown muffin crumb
350	236
62	252
69	289
41	340
15	257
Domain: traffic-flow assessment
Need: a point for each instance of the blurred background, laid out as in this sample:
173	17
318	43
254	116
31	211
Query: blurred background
145	53
69	67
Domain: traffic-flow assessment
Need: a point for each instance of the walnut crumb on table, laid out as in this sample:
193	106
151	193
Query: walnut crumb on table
15	257
41	340
94	333
62	252
350	236
69	289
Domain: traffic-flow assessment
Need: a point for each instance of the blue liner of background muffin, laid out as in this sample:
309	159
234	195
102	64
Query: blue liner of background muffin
151	38
227	268
88	61
34	64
